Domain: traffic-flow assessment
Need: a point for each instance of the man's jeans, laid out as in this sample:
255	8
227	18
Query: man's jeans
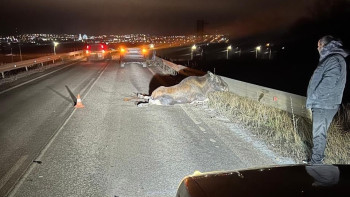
321	119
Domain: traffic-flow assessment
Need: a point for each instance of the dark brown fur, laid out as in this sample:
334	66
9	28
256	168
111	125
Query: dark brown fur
193	88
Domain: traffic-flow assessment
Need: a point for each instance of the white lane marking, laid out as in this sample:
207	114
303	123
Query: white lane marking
32	166
212	140
189	115
92	80
201	128
19	85
88	85
96	80
14	169
154	73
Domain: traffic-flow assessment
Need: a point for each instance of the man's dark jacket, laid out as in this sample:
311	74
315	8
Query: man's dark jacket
327	83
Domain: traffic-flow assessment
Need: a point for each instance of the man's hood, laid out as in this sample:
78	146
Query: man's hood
334	47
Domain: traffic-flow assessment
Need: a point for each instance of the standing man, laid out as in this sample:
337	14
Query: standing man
325	92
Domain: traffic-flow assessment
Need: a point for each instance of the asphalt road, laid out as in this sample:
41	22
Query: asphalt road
32	113
112	147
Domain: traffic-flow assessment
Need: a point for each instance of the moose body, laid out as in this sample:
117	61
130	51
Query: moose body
190	89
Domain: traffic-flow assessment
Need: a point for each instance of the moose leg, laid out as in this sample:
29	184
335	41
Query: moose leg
143	96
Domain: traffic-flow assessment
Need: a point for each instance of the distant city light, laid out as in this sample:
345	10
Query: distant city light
163	41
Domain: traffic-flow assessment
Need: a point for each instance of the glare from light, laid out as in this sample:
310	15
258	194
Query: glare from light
194	47
229	47
258	48
54	47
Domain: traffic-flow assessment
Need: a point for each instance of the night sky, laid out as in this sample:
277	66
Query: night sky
237	18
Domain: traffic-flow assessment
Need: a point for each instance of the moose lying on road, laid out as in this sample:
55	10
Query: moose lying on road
190	89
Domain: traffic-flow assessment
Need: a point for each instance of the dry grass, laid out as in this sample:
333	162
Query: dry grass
290	137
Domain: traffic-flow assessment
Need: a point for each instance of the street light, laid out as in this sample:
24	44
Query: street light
194	47
228	48
258	48
238	51
153	52
54	47
269	48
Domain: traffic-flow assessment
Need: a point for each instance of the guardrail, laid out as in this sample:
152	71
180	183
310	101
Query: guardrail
285	101
175	69
28	63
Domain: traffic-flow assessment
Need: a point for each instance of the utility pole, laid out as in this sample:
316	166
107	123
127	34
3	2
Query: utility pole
200	30
11	54
20	51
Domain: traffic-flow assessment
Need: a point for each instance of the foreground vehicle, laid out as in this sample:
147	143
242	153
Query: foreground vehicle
133	55
291	180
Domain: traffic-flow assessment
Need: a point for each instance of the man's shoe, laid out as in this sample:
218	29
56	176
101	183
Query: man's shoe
310	162
307	161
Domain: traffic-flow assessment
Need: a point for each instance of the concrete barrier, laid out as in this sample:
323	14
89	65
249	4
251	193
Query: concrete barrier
285	101
183	70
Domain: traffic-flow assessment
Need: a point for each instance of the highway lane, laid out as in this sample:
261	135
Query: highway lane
114	148
31	114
